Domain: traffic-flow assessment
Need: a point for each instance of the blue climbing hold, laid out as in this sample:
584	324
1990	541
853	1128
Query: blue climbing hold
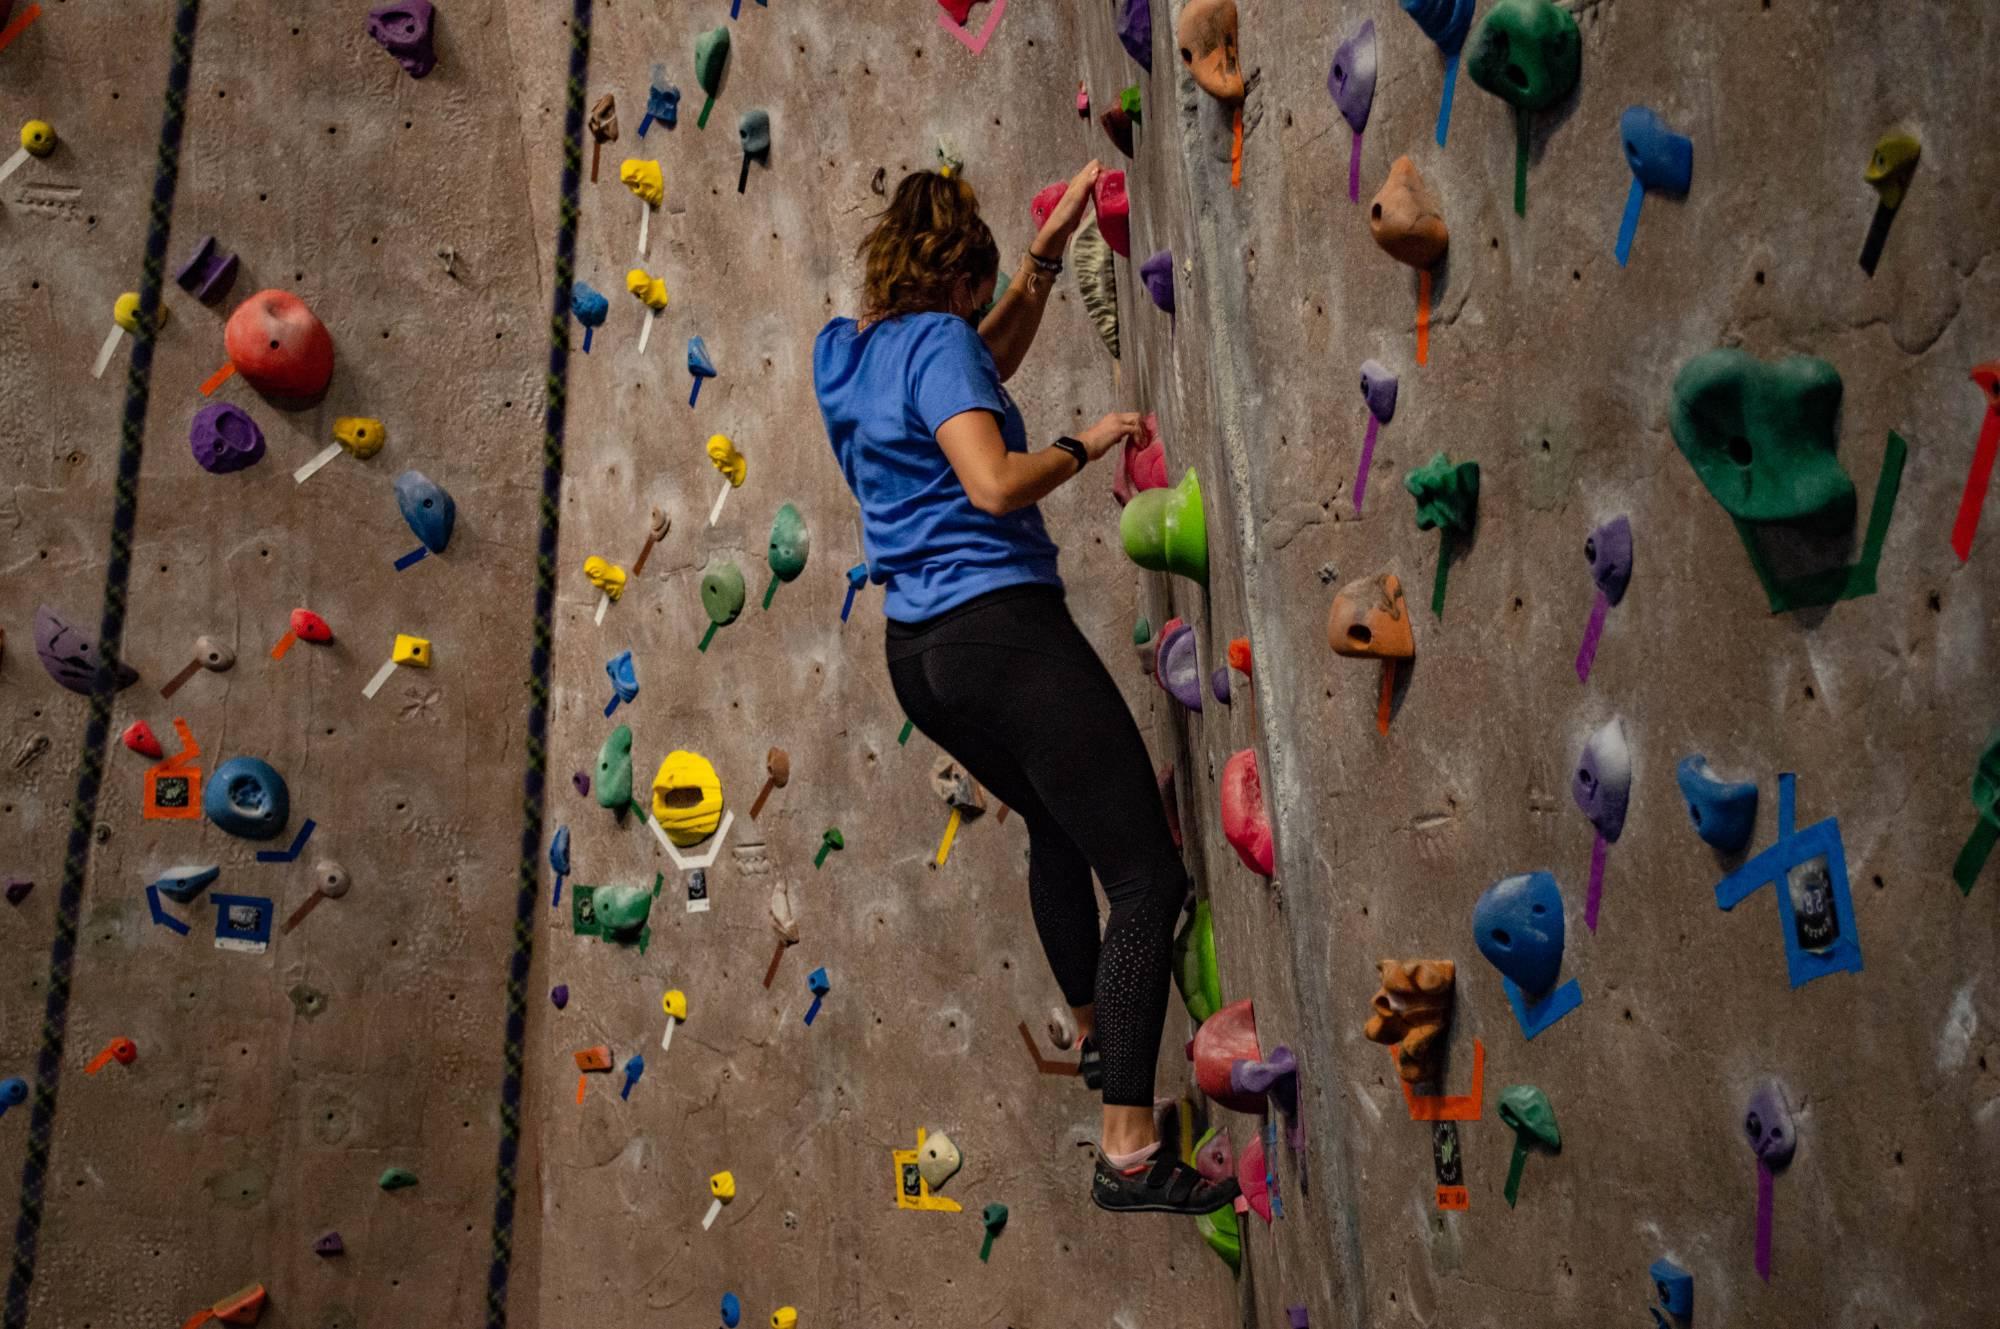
248	799
427	508
1518	925
1723	813
732	1310
1661	160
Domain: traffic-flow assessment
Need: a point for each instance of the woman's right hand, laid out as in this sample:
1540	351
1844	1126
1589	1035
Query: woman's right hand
1115	428
1068	212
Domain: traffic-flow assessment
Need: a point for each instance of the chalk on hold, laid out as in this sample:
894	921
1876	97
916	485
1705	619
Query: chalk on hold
208	273
1406	218
687	798
72	658
1177	666
1411	1012
614	770
183	884
1724	812
1609	550
1206	33
1134	26
279	346
1761	437
1602	782
1768	1126
396	1179
362	436
246	798
938	1160
427	508
1165	530
404	30
724	457
224	439
711	56
1351	80
1114	212
1245	823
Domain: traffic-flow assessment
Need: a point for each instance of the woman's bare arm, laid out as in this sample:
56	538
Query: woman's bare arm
1009	330
999	481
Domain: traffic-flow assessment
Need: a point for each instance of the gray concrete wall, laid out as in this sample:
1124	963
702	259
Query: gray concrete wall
247	1127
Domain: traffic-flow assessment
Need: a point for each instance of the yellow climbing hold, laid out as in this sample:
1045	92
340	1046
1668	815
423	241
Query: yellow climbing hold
125	312
652	290
38	137
410	650
605	576
644	179
361	435
722	455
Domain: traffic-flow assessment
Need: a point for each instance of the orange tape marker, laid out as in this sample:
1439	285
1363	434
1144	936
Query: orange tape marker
1388	696
1440	1107
221	376
1424	317
285	643
1236	153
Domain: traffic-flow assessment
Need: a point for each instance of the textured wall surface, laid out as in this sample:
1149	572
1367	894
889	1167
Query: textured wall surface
418	218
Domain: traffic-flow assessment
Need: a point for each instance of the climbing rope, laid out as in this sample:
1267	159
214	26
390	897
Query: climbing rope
539	660
110	636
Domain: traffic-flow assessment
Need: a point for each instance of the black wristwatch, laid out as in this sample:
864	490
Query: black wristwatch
1074	449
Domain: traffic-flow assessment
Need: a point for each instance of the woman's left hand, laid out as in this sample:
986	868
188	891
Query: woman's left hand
1067	214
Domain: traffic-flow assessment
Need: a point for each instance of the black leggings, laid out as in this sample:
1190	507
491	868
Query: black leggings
1009	687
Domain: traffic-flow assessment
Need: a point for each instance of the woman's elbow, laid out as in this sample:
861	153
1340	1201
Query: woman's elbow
994	501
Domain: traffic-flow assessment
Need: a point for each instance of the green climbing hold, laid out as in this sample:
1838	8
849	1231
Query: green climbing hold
722	593
1526	1111
1128	102
1142	631
995	1217
1526	52
614	770
1194	963
1761	437
1164	530
1986	781
396	1179
1447	495
711	53
790	543
615	913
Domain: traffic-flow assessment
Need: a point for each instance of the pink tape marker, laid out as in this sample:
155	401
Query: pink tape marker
976	43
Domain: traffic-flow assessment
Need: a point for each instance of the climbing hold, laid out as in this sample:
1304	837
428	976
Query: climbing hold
829	841
614	913
404	31
1609	549
1406	218
1134	26
38	138
1378	389
396	1179
663	103
614	770
412	651
125	312
1661	160
1194	963
224	438
1239	655
790	544
1518	925
644	179
753	132
939	1160
624	676
1526	1111
1447	495
1761	437
1673	1288
279	346
652	291
699	366
247	798
1206	33
1602	783
362	436
559	995
727	461
1218	684
1245	823
427	508
722	593
1892	166
1045	200
603	124
1117	126
1213	1157
70	657
212	655
1097	281
1411	1012
1157	274
994	1216
208	273
1114	212
1165	530
687	798
1724	813
1142	465
1768	1126
1179	667
329	1244
732	1311
595	1059
606	577
139	737
711	55
1224	1235
591	307
784	1318
1351	81
1370	620
310	626
330	879
1526	52
183	884
1225	1038
1251	1174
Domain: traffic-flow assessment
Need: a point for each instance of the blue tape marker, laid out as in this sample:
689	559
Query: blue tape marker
414	557
1630	226
1444	102
735	8
289	855
160	915
1808	869
1534	1014
242	922
856	577
1271	1167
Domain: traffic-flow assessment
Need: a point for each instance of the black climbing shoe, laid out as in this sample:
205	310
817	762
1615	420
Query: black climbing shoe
1090	1066
1163	1186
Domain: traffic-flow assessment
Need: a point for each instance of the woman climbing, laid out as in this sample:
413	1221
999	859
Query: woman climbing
983	654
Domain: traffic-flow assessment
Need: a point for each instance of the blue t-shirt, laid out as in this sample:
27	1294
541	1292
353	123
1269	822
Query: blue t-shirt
884	392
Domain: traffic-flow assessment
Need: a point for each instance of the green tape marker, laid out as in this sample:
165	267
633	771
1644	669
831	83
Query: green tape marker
1521	128
904	737
1818	589
707	637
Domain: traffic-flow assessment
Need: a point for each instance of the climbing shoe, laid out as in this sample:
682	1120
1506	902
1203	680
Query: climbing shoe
1162	1185
1090	1066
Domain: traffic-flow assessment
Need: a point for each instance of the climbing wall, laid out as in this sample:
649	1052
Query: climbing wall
1554	367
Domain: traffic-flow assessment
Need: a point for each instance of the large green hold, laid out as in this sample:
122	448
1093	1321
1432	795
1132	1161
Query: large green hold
790	543
1165	530
1526	1111
722	593
1194	963
1986	781
1447	495
711	54
1528	53
1761	437
614	913
614	770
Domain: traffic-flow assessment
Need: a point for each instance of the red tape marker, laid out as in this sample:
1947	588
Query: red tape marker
1979	479
19	26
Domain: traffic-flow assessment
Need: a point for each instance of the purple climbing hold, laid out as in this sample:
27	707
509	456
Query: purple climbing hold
559	994
330	1244
69	656
1135	31
1218	683
1378	387
1351	81
225	439
405	31
1609	549
1296	1315
581	782
1180	668
209	273
17	889
1157	273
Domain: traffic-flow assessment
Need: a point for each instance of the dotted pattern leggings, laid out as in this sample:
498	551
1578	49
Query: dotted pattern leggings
1009	687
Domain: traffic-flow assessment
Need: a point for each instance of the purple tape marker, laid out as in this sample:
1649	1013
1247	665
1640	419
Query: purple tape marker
1596	892
1763	1249
1586	654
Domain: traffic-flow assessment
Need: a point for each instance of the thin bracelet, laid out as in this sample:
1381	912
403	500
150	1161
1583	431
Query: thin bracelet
1052	266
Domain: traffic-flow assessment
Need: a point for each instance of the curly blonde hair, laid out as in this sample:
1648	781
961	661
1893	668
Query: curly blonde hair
929	236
